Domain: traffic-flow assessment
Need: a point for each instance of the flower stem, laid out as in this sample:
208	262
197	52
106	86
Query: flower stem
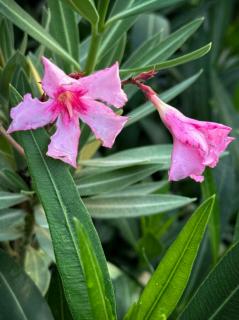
93	50
12	141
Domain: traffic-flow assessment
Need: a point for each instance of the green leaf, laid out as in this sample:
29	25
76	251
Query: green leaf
6	39
114	54
140	189
133	206
114	180
12	222
196	54
64	28
157	154
36	265
11	10
141	6
168	282
8	71
217	297
61	203
8	199
146	108
12	180
160	52
21	297
95	282
86	9
56	298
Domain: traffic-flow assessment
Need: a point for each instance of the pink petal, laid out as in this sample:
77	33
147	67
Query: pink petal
105	124
64	143
30	114
105	85
53	78
185	161
196	143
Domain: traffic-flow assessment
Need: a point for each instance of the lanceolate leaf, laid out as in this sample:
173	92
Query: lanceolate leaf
158	154
64	28
94	278
141	7
24	21
20	299
125	73
133	206
168	282
167	47
61	201
217	297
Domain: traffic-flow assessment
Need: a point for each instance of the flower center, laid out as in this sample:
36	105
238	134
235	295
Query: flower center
69	103
65	99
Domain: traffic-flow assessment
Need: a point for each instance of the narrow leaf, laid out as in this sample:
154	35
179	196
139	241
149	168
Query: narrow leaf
24	21
143	6
168	282
168	64
86	9
95	282
217	297
133	206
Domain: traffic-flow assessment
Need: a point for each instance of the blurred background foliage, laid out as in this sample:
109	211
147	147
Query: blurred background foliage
132	246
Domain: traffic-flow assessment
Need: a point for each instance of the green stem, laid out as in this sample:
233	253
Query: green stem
102	10
93	50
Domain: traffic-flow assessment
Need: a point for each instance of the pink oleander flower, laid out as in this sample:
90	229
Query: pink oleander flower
70	100
196	144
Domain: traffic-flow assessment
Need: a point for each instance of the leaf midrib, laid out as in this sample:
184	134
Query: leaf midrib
176	266
58	197
234	291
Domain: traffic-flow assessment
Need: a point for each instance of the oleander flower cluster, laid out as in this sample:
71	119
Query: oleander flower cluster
69	100
196	144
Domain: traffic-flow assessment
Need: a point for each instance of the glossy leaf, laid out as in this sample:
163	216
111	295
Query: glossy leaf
61	203
169	280
101	307
22	300
133	206
11	10
217	297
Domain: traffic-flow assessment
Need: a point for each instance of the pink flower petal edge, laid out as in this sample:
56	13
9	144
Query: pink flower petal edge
71	100
196	144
